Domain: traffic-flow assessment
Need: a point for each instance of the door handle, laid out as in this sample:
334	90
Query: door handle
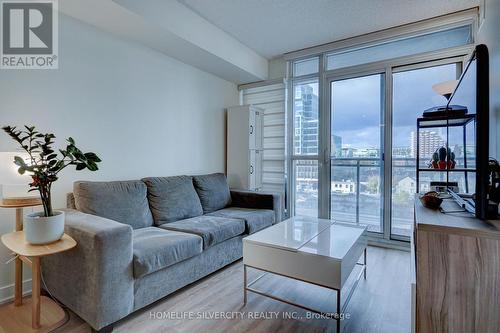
251	129
251	169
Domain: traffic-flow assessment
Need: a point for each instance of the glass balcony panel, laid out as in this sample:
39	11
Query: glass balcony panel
306	187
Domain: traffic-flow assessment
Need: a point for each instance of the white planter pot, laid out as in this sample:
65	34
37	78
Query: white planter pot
39	229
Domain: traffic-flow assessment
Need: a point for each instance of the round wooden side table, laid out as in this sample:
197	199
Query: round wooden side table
39	314
19	204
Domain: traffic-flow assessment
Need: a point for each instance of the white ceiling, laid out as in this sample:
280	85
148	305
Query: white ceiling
173	29
274	27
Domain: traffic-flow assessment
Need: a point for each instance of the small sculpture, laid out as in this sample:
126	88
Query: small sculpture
443	159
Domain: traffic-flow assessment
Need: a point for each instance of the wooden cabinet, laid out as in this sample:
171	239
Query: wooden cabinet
244	147
457	266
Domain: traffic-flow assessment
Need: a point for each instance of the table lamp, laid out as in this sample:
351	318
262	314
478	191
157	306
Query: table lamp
14	186
446	88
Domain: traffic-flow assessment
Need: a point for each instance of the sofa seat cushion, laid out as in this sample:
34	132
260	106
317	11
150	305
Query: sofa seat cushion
213	191
172	198
121	201
213	229
255	219
155	249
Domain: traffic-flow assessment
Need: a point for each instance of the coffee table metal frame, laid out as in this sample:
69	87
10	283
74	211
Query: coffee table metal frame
247	287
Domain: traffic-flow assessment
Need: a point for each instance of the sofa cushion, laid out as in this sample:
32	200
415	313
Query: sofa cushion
213	229
172	198
255	219
156	248
122	201
213	191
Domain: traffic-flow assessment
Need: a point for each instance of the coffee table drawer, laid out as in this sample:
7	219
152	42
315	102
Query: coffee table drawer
324	271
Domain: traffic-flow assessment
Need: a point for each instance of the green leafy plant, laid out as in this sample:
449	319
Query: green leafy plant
45	163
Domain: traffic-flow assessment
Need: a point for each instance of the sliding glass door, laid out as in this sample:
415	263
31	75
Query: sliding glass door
356	150
353	142
412	94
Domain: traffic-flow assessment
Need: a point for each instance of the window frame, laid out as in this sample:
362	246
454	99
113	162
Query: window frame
387	67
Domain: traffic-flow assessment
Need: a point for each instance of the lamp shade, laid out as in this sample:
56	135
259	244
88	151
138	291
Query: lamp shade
445	88
12	183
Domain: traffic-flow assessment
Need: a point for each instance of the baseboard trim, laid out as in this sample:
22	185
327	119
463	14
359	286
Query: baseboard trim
7	292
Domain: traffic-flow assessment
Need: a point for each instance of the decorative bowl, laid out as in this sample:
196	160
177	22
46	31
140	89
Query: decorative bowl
431	200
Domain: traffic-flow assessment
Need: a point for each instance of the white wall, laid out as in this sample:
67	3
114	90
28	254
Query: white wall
277	68
143	113
489	34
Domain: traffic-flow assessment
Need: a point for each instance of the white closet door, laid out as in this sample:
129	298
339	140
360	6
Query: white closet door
258	129
258	170
271	98
252	129
252	167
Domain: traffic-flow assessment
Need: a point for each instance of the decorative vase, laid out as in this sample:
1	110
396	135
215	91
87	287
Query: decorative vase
39	229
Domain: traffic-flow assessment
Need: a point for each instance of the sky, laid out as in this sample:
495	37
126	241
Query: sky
357	105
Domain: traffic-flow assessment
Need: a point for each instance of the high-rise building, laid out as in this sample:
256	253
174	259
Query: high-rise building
430	141
306	136
306	121
336	146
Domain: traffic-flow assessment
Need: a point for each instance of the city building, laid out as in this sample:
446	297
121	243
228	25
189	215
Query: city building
407	184
306	121
430	141
344	187
336	146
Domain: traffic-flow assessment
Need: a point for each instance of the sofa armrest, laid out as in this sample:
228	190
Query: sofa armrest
259	200
95	279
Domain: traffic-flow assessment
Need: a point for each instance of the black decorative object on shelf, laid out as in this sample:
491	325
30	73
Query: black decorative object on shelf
440	111
494	190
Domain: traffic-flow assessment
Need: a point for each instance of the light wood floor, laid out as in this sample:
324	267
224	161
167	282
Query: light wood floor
380	304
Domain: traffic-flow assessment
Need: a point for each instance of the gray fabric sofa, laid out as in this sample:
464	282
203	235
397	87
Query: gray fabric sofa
140	240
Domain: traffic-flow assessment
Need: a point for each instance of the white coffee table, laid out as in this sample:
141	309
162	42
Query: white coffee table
317	251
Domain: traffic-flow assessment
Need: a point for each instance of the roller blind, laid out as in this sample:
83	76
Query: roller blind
271	98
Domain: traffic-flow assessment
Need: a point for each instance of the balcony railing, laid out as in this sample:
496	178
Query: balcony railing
362	203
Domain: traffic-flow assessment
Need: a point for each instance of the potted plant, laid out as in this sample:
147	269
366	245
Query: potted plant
44	166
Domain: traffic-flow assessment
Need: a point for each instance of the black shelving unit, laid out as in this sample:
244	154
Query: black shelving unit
446	122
